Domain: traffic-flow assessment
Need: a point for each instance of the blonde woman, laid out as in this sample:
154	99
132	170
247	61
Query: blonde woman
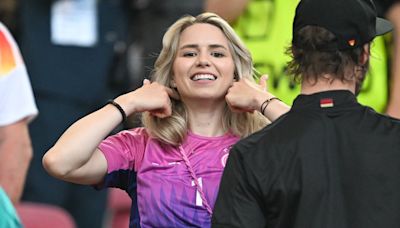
200	102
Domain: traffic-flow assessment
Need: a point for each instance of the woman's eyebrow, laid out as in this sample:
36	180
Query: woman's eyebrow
189	46
217	46
197	46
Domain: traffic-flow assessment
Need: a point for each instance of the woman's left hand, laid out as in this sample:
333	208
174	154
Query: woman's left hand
247	96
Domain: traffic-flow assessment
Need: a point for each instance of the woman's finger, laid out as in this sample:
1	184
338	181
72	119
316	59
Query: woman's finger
263	82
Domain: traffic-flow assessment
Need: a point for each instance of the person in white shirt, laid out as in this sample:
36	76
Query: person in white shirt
17	109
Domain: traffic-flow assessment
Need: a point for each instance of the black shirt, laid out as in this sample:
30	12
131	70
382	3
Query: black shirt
328	163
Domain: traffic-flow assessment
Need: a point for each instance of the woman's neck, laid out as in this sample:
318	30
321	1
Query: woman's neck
206	120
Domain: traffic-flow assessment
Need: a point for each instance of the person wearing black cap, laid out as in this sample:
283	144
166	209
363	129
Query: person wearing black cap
330	161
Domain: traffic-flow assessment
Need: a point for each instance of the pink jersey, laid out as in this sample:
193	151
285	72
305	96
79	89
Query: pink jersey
158	181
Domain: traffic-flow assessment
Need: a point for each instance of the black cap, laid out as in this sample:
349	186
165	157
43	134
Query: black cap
353	22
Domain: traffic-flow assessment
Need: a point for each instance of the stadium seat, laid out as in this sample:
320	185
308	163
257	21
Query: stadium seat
38	215
119	206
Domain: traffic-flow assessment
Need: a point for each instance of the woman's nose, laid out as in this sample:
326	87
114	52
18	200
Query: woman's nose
203	60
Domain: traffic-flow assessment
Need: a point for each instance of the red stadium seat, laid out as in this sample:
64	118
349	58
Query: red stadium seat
119	206
37	215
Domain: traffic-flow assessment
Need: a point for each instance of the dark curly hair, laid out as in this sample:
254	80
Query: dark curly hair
313	56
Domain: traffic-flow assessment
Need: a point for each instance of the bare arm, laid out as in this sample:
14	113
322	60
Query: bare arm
75	156
394	102
247	96
15	156
228	10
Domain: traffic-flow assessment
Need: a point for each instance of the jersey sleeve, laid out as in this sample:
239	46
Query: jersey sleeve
124	153
16	96
240	199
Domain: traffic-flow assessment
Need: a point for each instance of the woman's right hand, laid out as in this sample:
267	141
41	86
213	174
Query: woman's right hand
152	97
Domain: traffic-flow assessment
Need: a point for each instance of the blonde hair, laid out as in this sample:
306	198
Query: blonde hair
172	130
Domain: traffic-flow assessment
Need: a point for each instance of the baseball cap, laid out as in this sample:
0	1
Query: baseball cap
353	22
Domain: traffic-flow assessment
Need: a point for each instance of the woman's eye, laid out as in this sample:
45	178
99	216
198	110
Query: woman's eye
217	54
189	54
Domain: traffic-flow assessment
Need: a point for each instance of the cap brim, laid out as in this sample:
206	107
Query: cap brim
383	26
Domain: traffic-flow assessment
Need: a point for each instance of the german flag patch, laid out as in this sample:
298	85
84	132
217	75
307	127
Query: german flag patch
326	103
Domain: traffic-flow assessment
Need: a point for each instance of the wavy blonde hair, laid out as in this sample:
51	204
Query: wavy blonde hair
172	130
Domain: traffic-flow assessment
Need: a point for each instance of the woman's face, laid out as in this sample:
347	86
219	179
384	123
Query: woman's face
203	67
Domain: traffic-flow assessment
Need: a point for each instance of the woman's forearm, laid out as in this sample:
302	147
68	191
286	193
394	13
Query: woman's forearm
76	146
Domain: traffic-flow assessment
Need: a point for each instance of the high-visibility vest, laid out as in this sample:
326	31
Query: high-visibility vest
266	29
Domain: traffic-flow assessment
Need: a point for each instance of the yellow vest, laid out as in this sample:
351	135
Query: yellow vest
266	29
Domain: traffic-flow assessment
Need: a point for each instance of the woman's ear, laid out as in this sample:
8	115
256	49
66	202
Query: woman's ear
172	84
235	76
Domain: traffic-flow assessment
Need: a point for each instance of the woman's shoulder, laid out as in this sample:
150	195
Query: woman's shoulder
134	132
